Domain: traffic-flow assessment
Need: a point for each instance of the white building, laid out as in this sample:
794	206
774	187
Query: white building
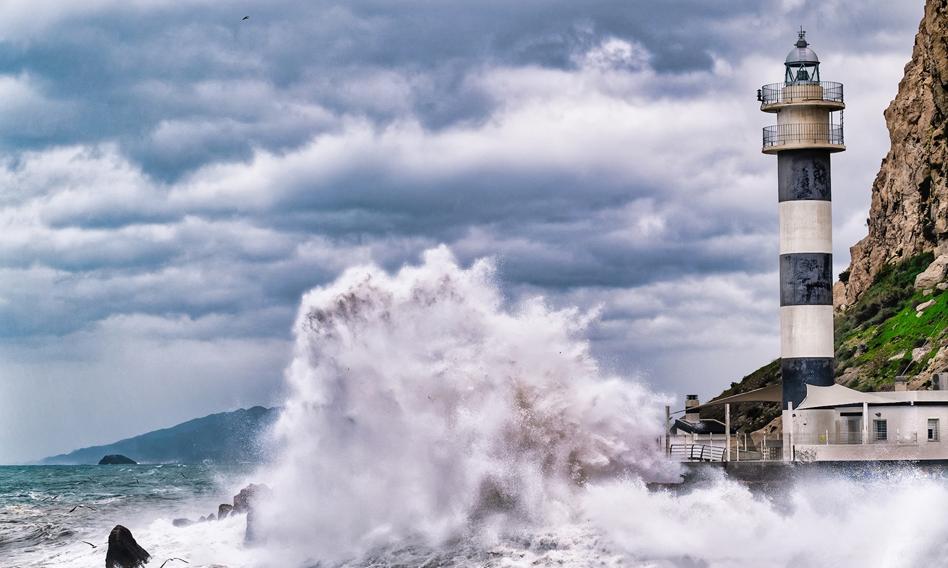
836	423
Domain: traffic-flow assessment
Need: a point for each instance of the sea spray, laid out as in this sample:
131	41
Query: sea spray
812	518
420	409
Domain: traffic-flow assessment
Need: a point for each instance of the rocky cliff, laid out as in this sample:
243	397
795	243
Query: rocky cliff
909	211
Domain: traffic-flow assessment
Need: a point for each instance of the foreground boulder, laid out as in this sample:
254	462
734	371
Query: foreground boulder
933	275
123	551
117	459
223	510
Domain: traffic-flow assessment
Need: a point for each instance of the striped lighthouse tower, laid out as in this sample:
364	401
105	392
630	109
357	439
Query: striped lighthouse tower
806	133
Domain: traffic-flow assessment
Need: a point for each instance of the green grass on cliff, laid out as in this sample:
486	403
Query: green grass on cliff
876	336
884	351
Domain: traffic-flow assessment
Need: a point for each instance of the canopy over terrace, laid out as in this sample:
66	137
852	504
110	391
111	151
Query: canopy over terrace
770	393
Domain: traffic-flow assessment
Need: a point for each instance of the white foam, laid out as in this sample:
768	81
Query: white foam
418	403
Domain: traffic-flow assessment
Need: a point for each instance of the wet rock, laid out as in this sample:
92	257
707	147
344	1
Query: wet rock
211	517
223	510
123	551
182	522
245	502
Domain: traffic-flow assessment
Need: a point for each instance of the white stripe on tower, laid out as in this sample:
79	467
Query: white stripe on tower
806	226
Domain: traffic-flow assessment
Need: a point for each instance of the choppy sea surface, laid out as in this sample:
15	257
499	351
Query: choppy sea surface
54	516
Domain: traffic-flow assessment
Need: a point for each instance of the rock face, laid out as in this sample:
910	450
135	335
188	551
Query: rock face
117	459
123	551
909	211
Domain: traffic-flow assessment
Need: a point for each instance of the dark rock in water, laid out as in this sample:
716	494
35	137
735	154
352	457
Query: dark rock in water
202	519
182	522
211	517
124	552
223	510
117	459
245	502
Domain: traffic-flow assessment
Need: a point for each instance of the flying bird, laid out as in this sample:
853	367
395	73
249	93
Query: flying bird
172	560
90	544
81	506
245	18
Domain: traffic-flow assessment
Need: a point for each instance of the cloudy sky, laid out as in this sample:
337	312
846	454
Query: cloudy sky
172	178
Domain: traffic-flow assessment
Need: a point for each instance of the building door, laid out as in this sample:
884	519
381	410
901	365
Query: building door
852	431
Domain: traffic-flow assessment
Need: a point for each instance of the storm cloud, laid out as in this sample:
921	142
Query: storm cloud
173	178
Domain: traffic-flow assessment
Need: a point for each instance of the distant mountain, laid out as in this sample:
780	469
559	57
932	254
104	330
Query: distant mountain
226	437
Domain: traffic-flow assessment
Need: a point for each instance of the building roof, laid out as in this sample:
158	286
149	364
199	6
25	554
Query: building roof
702	426
838	395
770	393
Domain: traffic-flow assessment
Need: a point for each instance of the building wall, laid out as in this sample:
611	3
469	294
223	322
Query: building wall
817	433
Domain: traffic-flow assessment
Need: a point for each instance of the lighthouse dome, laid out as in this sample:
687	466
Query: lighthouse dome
801	54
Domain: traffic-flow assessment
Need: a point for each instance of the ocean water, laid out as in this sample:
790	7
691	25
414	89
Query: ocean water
891	517
46	512
429	421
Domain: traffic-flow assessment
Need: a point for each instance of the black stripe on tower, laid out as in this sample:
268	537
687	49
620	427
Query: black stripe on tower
806	279
804	175
796	373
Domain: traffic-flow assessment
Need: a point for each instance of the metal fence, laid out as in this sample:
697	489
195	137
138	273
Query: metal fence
805	133
799	92
696	452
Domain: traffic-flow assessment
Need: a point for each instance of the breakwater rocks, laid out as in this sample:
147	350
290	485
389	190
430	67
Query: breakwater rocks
243	503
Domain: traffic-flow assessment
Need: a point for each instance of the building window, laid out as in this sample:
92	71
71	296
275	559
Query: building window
932	429
881	430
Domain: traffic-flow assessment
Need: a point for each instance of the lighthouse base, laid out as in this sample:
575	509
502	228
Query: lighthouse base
797	372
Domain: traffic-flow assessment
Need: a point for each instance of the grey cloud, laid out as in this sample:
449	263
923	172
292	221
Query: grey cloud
190	176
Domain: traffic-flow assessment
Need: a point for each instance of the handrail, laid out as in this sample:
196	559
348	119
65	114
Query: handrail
780	93
803	133
696	452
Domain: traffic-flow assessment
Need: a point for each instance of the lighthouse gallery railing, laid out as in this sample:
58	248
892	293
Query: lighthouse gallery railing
806	133
778	93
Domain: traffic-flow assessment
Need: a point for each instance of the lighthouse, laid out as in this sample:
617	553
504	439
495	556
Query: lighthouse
808	129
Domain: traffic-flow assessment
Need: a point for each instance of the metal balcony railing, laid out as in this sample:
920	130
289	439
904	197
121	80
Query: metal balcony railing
806	133
778	93
696	452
